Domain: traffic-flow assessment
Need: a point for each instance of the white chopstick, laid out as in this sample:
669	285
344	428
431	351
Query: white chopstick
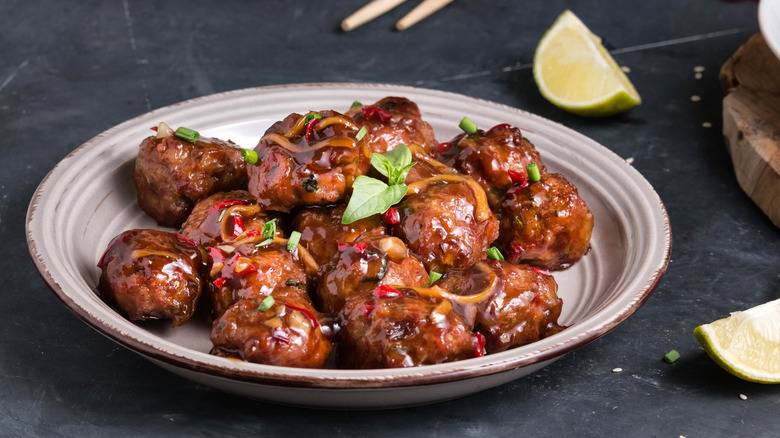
368	13
424	9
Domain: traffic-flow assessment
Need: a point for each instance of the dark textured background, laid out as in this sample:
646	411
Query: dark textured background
70	70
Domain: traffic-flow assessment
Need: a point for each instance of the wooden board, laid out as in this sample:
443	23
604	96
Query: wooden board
751	122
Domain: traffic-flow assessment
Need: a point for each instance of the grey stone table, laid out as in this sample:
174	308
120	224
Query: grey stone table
70	70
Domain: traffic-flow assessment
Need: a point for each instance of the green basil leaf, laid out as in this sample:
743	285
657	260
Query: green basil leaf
400	156
381	164
398	176
371	196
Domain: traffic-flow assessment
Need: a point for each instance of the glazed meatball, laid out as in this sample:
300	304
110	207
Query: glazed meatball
398	328
322	231
282	331
304	162
256	272
152	274
545	224
361	266
520	303
425	166
393	121
446	222
497	159
225	217
172	174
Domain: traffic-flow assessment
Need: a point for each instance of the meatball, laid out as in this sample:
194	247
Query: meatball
225	217
172	174
497	159
425	166
545	224
392	121
152	274
446	222
304	162
520	304
361	266
280	331
256	272
398	328
322	231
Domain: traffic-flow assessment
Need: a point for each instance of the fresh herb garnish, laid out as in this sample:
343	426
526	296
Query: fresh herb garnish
394	164
468	126
250	156
355	104
494	254
266	303
292	242
533	172
269	229
187	134
362	133
434	276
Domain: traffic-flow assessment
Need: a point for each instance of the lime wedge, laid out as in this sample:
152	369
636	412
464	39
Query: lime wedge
746	344
576	73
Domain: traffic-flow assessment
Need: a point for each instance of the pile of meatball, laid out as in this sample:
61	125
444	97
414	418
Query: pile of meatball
459	268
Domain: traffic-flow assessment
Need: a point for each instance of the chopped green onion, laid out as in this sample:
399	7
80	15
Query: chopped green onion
187	134
434	276
269	229
264	243
494	254
361	133
355	104
468	126
222	214
533	172
292	242
249	155
671	356
311	116
266	303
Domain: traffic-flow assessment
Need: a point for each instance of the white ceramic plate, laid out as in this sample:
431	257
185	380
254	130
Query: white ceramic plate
769	22
89	197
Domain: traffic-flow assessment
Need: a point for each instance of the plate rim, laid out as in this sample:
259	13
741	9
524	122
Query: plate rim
417	376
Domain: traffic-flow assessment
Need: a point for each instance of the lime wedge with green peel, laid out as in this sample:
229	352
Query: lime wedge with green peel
576	73
746	344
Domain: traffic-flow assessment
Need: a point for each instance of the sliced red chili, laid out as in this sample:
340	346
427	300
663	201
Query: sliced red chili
184	238
497	127
517	177
306	312
391	216
219	282
515	252
540	270
385	291
216	254
247	269
444	147
310	127
226	203
153	128
368	306
238	225
359	247
480	344
372	111
253	233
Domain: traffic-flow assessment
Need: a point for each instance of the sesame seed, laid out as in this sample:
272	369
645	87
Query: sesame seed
706	125
743	396
698	69
626	69
630	160
695	98
617	370
697	76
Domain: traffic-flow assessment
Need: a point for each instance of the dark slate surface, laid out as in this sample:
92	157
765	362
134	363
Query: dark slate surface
70	70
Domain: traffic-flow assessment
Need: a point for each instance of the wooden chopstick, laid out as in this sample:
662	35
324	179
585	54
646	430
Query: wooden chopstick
368	13
424	9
